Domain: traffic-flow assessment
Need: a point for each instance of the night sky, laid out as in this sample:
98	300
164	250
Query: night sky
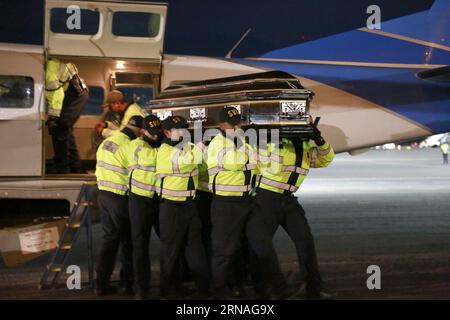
205	27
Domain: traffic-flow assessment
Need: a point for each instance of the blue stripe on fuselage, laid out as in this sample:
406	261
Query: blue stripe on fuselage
397	89
432	25
361	46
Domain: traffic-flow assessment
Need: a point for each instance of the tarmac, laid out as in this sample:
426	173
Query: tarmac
387	208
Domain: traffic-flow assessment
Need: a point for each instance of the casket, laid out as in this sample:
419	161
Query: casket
267	100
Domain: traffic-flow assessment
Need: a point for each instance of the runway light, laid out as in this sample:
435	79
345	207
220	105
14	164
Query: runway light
120	65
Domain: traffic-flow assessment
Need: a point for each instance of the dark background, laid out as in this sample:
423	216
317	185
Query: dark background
211	28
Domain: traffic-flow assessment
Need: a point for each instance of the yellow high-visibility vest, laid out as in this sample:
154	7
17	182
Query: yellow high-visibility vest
57	77
444	148
132	110
230	168
177	171
142	168
283	168
112	164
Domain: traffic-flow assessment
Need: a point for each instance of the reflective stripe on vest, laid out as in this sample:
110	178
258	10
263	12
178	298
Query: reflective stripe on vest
222	153
61	72
175	193
295	169
111	167
53	85
193	173
54	111
262	157
143	186
276	158
203	185
71	71
146	168
324	152
277	184
136	153
215	170
175	166
143	168
131	168
230	188
112	185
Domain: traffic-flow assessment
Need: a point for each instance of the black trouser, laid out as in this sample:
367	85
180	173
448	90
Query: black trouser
277	209
231	218
203	201
65	148
116	231
180	230
239	268
143	216
445	156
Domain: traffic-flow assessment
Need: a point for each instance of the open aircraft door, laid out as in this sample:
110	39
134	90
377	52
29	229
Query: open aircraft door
105	29
107	40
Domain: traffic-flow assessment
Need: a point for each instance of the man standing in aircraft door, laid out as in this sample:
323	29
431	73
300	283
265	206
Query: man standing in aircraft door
66	95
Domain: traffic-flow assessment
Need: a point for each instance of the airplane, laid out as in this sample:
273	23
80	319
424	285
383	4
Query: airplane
372	86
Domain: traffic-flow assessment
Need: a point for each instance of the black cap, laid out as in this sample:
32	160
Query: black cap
174	122
136	121
152	124
230	115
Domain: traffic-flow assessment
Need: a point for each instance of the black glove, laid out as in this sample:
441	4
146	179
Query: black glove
52	125
317	137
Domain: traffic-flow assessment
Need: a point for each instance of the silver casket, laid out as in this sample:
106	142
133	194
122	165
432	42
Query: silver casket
267	100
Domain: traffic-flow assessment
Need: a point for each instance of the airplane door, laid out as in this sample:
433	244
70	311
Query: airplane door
21	101
105	29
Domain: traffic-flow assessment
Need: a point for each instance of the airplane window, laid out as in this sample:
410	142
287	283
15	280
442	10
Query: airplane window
140	95
16	92
63	22
136	24
94	104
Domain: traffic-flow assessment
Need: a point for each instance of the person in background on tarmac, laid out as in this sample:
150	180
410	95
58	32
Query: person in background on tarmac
177	173
283	169
112	181
66	95
444	149
116	103
143	202
231	166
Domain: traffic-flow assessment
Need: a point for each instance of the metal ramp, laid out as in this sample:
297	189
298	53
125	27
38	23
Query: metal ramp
79	217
